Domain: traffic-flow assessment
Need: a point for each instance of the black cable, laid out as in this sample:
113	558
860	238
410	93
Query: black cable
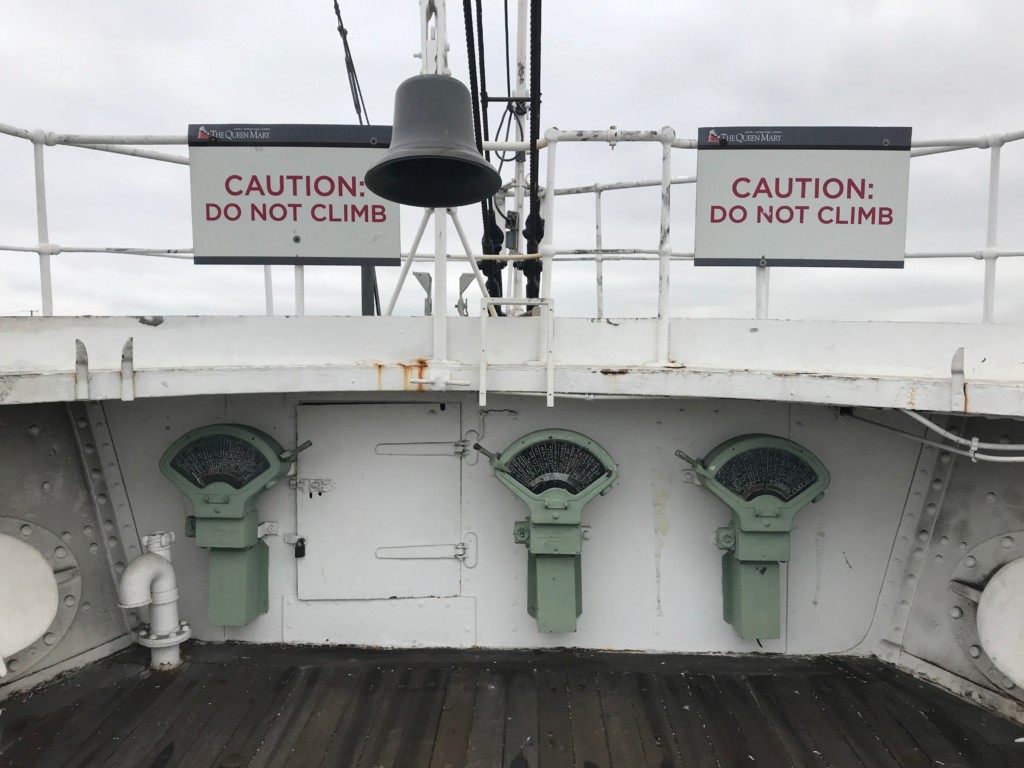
350	68
492	234
508	58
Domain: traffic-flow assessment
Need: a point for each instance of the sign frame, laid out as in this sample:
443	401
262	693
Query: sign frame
853	176
224	159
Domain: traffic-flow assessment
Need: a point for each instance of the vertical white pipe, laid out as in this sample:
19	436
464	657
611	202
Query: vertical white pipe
991	232
666	135
549	353
762	275
434	50
300	290
43	230
427	213
482	399
440	288
515	287
268	288
598	258
547	247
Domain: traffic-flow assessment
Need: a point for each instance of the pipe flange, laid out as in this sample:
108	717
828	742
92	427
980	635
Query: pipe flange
68	575
179	636
967	583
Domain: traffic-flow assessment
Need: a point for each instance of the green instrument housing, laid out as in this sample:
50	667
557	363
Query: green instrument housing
556	472
223	468
765	480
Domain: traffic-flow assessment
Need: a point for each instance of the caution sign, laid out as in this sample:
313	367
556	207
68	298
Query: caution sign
791	196
289	194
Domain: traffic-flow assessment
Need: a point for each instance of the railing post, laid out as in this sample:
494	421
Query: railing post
547	247
300	290
440	287
598	258
762	275
42	227
992	230
666	136
268	288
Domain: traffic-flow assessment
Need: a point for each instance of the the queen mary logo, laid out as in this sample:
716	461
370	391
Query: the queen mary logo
201	133
713	137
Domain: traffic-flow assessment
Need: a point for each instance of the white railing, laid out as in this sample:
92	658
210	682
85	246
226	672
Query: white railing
549	251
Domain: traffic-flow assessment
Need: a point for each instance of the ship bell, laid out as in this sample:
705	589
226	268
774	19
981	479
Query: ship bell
433	161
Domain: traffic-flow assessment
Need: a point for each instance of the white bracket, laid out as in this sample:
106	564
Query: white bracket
267	529
426	281
81	371
958	383
466	279
128	370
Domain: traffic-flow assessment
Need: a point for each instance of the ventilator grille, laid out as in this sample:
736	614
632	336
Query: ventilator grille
556	464
220	458
766	472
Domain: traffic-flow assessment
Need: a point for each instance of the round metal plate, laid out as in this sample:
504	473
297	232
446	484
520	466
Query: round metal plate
970	577
66	572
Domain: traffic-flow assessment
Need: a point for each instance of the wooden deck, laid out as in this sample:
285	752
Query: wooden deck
283	707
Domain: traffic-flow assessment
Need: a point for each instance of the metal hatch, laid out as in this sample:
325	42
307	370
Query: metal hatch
379	502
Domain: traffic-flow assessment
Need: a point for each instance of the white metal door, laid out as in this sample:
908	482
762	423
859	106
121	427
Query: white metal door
378	499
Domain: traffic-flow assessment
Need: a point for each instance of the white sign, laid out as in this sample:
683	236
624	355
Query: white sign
289	194
832	197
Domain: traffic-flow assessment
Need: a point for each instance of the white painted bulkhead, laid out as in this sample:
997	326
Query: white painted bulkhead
651	570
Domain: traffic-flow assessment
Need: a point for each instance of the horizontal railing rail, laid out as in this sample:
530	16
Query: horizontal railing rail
550	252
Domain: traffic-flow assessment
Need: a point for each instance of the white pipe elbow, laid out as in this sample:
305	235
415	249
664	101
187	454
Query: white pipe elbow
147	579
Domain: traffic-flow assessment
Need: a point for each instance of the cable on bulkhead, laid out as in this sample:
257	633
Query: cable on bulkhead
972	454
974	443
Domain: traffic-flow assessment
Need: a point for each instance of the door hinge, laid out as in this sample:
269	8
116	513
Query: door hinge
465	551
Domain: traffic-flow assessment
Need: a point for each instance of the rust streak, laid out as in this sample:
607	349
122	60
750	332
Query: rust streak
380	376
419	368
421	371
966	408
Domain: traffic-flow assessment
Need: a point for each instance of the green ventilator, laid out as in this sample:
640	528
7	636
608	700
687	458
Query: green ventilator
765	480
556	472
223	468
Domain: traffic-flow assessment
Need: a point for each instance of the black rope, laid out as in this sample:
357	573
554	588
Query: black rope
483	73
467	12
534	230
350	67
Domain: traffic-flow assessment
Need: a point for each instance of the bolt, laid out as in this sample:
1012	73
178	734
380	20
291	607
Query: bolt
970	561
956	612
974	651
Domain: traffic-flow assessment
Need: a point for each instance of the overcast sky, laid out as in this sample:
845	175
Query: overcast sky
947	69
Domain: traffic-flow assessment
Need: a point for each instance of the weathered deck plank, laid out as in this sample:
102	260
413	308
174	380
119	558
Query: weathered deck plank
244	707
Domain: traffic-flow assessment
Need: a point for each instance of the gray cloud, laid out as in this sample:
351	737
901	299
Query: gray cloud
946	68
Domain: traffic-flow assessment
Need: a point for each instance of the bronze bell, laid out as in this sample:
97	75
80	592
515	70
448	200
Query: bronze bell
433	161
